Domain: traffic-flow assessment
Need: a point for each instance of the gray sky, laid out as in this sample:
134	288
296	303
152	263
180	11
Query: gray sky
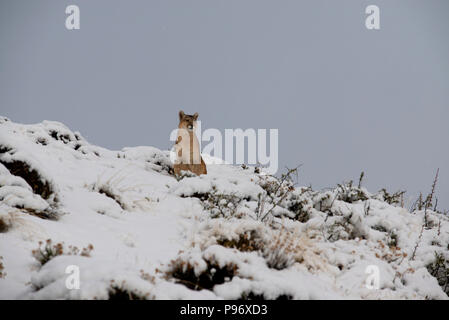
344	98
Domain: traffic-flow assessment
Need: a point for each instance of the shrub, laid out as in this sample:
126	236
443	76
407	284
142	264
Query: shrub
280	254
247	241
2	269
116	188
120	292
4	224
220	204
184	273
257	296
439	269
184	174
280	248
58	136
109	192
163	165
392	239
39	185
396	198
46	252
277	190
349	193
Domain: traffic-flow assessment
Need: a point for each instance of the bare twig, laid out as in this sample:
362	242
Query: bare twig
417	243
429	198
362	174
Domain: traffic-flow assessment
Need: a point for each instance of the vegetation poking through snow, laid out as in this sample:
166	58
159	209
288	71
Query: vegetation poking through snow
47	251
49	214
108	192
276	191
22	186
115	189
221	205
196	277
282	249
4	224
439	268
429	200
260	297
396	198
2	269
121	292
246	241
39	185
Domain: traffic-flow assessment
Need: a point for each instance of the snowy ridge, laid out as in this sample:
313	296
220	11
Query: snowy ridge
201	237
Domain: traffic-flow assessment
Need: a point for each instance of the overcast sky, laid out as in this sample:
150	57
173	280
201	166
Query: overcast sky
344	98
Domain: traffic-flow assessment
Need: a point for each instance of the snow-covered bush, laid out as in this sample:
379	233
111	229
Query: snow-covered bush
39	185
109	191
5	224
277	196
395	198
248	240
127	196
282	249
154	159
200	272
439	268
219	204
2	269
24	188
121	291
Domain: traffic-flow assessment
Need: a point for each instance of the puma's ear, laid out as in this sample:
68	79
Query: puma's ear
195	116
181	115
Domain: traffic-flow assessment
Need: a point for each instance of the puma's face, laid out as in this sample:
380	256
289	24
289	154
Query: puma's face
187	122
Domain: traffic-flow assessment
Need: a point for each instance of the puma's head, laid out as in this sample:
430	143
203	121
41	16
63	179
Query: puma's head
186	121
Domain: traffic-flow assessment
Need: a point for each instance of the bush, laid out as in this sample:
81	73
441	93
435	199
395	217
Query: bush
39	185
109	192
48	251
396	198
247	241
277	191
280	248
279	252
253	296
184	273
4	224
349	193
120	292
221	205
2	269
439	269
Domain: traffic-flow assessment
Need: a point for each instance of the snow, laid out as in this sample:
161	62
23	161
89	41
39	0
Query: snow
140	219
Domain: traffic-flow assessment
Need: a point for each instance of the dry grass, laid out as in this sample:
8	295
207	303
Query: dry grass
47	251
2	269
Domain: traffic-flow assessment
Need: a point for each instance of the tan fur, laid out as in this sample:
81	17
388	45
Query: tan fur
188	154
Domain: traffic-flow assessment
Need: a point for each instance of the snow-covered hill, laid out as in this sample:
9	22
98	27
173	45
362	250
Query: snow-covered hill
135	231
